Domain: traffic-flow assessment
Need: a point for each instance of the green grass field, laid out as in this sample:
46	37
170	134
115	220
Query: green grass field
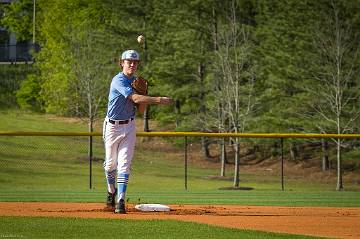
20	227
56	169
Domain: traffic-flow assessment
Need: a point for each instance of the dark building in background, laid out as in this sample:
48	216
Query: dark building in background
11	50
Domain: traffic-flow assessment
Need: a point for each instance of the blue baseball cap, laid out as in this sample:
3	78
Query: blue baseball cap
130	55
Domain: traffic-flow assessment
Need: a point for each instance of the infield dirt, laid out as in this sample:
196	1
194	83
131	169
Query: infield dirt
313	221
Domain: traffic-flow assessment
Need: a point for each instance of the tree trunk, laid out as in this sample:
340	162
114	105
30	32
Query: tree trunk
146	119
215	29
201	75
274	150
339	184
237	164
177	113
205	147
144	63
223	157
293	151
325	155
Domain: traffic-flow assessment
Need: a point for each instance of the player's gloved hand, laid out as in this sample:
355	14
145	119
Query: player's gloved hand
140	86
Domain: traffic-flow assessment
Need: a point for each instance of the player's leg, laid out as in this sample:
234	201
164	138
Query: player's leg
125	155
111	141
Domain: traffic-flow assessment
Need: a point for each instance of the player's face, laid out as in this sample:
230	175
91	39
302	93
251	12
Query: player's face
129	67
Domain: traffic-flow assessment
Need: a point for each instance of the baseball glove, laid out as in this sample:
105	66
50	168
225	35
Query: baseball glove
140	86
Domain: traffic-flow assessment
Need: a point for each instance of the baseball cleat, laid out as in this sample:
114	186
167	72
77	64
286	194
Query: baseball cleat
110	200
120	207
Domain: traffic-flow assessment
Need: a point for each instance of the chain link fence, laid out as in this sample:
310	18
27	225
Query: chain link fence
36	164
60	165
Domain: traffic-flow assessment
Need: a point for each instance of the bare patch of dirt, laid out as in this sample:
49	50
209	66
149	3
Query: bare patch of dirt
313	221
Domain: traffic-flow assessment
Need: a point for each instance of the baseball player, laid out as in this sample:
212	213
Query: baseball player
127	94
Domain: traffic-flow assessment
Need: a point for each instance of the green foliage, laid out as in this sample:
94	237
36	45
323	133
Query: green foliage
283	46
179	53
81	41
18	18
77	57
334	94
28	95
11	77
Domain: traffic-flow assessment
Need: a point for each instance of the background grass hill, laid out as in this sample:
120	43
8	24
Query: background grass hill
56	168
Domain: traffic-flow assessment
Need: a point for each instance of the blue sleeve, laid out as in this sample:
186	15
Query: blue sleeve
123	87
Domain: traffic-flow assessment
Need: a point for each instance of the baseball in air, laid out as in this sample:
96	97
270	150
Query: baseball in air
141	39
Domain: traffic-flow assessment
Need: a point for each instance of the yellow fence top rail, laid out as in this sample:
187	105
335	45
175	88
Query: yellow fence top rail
183	134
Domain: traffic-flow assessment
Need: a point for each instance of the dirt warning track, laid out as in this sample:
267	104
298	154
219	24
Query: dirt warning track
314	221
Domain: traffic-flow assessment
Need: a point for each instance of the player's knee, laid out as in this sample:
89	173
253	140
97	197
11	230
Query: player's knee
124	167
109	167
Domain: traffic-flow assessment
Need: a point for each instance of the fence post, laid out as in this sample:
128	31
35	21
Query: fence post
282	164
90	160
185	162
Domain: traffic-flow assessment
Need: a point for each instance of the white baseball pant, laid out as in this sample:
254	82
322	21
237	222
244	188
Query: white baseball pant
119	140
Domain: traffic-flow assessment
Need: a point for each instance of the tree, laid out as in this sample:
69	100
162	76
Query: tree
55	30
18	18
141	12
336	108
281	62
28	94
81	40
180	47
12	77
236	92
77	59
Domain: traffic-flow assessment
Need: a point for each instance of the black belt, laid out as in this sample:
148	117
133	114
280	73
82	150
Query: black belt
120	121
